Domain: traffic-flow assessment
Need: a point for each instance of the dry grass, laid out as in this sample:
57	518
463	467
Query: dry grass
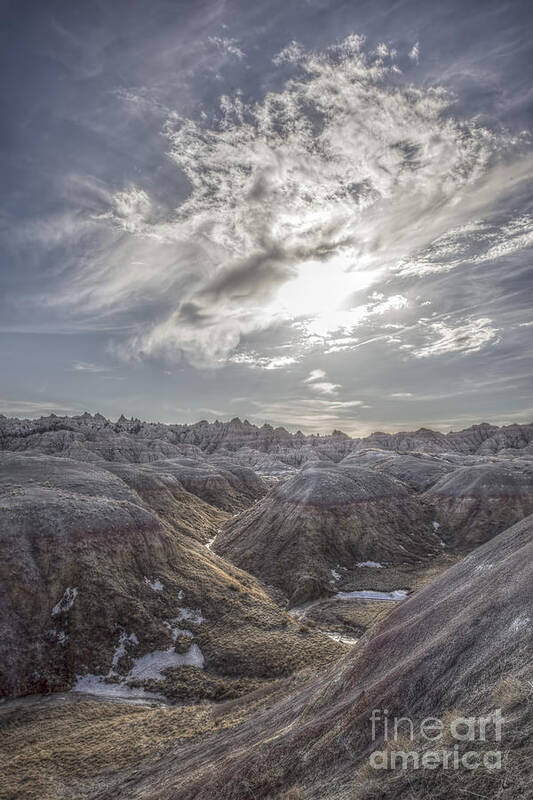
63	747
73	747
49	747
293	794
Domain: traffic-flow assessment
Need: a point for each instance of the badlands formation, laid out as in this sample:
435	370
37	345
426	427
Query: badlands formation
213	610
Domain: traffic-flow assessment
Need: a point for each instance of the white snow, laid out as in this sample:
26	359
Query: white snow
367	594
176	631
121	648
209	544
193	615
375	564
299	611
155	584
436	526
66	602
339	637
152	664
147	667
96	685
335	575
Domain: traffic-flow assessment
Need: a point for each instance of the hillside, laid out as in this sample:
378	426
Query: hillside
312	535
99	591
461	647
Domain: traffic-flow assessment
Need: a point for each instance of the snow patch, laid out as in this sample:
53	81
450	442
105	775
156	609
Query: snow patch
151	666
367	594
436	527
193	615
96	685
66	602
339	637
336	576
299	611
375	564
209	544
155	584
177	631
147	667
121	648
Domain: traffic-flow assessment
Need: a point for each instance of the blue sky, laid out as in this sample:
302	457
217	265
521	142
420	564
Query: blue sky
310	213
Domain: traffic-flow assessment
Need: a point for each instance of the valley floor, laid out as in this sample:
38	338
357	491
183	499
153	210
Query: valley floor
71	746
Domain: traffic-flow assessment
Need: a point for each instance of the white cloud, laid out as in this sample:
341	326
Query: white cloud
325	387
263	362
316	382
385	51
475	242
414	53
86	366
315	375
469	337
293	53
33	408
227	45
130	210
324	324
297	204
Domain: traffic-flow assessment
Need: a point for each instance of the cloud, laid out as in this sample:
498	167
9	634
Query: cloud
131	210
326	323
292	53
476	242
227	46
414	52
298	203
86	366
263	362
315	375
32	409
469	337
317	384
325	387
310	414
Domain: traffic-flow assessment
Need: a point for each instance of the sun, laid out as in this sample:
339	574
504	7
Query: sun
322	291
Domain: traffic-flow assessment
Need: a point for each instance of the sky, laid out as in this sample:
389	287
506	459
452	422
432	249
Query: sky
312	213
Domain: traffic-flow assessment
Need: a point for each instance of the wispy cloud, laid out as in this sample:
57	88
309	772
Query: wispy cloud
263	362
317	384
325	387
227	45
414	52
298	204
33	408
130	210
86	366
315	375
469	337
